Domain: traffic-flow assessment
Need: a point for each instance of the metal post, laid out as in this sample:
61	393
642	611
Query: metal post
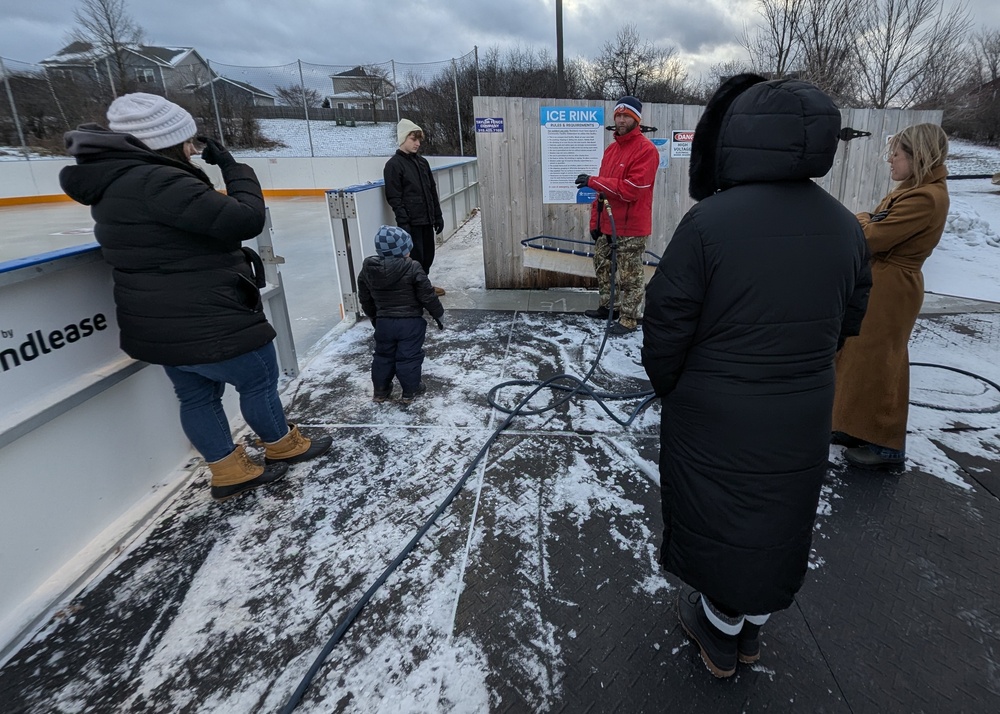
55	97
475	52
560	75
111	79
13	110
458	109
215	103
305	108
395	88
274	295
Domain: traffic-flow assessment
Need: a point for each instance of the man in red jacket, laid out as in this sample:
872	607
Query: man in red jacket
628	171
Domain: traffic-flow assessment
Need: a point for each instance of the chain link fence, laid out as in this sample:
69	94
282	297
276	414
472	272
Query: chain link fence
297	109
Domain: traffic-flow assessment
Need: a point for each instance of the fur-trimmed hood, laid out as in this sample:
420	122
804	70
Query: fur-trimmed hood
753	130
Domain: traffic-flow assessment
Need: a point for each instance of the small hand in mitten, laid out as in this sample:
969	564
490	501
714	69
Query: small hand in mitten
594	234
438	226
582	180
215	153
438	321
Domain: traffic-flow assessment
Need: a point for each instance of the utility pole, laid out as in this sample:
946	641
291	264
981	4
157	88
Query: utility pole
560	76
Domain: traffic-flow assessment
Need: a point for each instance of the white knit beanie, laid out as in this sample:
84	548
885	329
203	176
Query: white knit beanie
404	129
153	120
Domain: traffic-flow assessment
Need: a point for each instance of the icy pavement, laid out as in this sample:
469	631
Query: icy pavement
538	589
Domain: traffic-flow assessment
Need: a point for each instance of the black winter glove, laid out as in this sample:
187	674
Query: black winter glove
876	217
215	153
439	226
582	180
438	321
595	234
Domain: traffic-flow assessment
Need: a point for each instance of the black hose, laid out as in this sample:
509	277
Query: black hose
551	383
990	410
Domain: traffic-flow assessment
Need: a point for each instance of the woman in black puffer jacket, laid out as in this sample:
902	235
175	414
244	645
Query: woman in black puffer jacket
186	291
760	285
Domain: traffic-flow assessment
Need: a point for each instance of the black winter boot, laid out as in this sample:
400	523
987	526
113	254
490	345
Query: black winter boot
718	650
601	313
408	397
748	643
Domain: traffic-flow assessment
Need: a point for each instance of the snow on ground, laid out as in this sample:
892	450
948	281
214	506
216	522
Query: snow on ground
328	139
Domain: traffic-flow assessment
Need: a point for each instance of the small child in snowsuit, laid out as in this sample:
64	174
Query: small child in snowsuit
394	291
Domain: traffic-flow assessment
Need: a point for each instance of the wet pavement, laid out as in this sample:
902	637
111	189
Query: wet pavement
537	590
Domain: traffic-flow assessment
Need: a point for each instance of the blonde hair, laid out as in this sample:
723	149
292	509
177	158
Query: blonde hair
927	146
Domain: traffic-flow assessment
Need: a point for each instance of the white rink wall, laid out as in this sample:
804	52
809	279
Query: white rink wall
40	177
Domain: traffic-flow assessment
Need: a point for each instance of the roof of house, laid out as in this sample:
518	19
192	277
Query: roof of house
79	52
241	85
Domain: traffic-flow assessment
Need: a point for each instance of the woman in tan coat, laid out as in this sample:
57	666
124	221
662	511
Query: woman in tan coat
873	369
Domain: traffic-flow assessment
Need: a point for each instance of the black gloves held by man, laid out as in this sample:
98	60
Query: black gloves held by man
438	226
595	234
215	153
582	180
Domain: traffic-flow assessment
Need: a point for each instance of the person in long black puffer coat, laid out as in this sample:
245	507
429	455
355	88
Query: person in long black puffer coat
759	287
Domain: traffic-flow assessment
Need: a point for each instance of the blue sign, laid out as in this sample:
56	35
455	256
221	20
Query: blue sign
586	195
489	125
663	146
572	115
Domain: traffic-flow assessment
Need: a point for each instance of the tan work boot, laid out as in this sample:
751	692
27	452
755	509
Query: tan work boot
238	473
293	447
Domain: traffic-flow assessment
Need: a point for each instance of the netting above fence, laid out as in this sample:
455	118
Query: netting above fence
296	109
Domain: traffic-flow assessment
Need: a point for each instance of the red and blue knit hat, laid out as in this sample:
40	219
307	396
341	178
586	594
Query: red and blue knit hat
393	240
630	106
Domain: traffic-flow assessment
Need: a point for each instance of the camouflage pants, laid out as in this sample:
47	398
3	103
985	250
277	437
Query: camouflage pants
630	281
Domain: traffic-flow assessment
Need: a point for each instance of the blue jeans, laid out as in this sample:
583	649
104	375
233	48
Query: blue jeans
199	388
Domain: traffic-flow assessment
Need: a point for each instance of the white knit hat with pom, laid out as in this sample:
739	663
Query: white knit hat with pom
156	122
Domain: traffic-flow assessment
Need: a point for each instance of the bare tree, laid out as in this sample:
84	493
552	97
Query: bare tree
717	74
293	96
631	65
901	41
986	46
373	83
109	29
827	29
775	46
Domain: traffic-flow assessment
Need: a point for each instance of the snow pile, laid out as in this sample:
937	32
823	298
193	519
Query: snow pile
965	224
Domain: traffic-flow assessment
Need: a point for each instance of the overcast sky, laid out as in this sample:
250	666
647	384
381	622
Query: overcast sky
348	32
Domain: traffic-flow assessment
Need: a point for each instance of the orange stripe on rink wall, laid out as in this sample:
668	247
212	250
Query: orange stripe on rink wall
62	197
29	200
293	192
